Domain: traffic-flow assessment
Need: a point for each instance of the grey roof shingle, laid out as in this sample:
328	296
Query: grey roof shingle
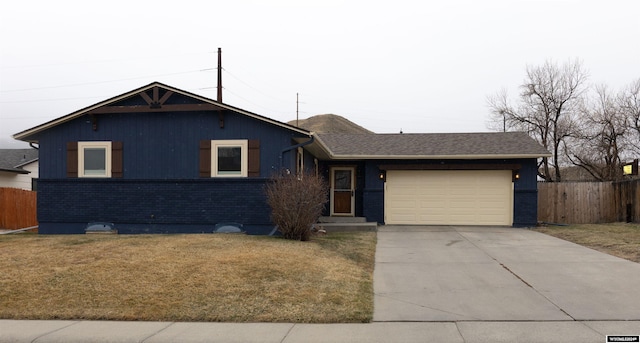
426	145
13	159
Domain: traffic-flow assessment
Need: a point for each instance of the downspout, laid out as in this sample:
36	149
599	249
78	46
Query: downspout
31	145
295	147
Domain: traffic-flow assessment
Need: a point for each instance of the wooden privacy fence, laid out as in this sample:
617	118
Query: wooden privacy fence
17	208
589	202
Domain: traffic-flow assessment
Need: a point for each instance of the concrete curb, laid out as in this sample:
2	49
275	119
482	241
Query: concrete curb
38	331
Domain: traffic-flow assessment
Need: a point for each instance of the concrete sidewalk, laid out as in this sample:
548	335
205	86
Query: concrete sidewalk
397	332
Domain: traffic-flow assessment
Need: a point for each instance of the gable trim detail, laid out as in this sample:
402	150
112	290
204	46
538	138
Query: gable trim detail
103	107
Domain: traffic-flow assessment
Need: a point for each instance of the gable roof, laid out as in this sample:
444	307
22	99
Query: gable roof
12	160
488	145
102	107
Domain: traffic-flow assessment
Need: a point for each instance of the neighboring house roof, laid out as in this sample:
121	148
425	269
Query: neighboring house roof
579	174
489	145
12	160
573	173
208	104
329	123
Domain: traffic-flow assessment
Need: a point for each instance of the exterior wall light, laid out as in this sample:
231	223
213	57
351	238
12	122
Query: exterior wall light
516	175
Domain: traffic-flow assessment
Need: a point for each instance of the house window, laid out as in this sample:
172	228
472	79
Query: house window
300	161
94	159
229	158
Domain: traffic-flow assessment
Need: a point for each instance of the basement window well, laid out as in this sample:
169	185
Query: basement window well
100	227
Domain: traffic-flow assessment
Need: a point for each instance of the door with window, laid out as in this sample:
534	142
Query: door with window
342	191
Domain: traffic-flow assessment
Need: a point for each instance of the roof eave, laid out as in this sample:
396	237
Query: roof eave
26	163
436	157
325	152
24	135
15	170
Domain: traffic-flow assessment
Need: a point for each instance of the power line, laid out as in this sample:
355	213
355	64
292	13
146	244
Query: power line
251	102
101	61
100	82
48	100
252	87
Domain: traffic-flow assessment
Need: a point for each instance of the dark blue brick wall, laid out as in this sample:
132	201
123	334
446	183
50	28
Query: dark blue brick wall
373	193
374	205
525	195
152	205
525	208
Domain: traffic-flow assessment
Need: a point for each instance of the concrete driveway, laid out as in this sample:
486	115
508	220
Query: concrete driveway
428	273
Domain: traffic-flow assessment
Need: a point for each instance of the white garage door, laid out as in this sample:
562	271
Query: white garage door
449	197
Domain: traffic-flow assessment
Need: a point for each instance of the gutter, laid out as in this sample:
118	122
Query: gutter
283	151
433	157
15	170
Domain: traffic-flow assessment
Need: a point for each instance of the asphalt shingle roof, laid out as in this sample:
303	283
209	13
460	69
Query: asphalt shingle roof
14	159
449	145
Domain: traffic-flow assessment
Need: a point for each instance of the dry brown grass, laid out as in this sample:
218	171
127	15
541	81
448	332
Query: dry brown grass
231	278
617	239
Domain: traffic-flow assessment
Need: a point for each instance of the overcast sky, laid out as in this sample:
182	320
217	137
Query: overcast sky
416	66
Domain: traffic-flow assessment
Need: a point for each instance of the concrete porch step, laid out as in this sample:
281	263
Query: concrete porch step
342	220
347	227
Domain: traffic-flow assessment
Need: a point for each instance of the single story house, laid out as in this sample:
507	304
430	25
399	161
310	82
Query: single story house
159	159
19	168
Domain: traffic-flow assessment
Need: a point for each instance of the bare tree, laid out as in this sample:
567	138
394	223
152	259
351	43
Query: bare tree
546	108
629	104
599	142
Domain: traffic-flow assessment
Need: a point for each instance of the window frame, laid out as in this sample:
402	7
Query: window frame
243	144
107	146
300	162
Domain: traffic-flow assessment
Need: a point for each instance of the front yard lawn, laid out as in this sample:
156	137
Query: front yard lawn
231	278
617	239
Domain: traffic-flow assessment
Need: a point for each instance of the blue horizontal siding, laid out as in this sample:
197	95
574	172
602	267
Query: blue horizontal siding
165	145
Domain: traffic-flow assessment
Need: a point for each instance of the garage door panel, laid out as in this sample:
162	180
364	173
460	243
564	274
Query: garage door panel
404	191
400	216
449	197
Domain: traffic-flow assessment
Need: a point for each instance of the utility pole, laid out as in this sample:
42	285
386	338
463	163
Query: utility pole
219	75
297	102
220	113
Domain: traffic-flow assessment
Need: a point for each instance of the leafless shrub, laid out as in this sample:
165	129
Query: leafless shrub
296	203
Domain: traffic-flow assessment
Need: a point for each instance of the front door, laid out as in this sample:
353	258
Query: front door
342	191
